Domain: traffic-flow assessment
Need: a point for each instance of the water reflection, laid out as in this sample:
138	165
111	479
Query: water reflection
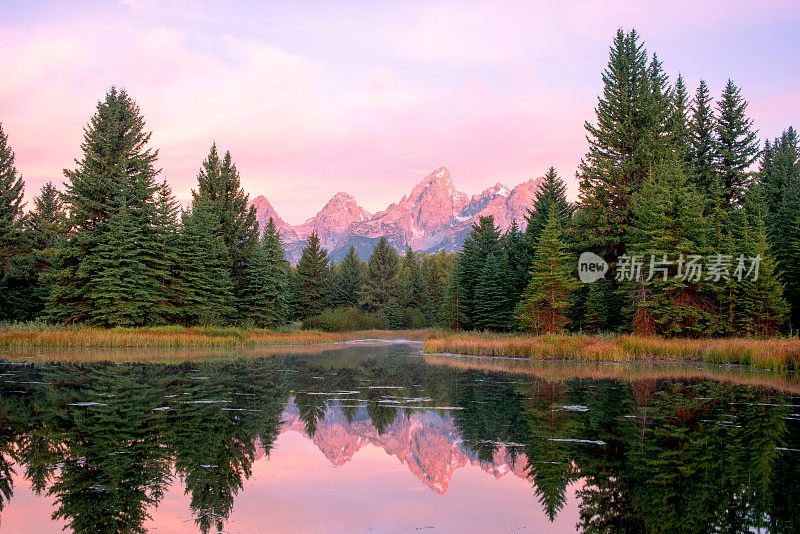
105	442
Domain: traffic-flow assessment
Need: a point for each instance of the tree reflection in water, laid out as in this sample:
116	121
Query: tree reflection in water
105	441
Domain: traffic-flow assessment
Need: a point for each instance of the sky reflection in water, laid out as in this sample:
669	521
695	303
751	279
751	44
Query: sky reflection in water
318	442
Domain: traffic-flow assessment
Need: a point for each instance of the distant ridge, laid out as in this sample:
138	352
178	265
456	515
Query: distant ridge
434	216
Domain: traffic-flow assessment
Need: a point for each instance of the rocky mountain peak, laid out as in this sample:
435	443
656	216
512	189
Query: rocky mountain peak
434	216
435	200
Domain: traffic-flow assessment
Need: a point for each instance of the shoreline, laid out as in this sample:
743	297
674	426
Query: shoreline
781	354
184	337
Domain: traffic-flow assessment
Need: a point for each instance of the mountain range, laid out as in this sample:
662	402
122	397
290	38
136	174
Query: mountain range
428	443
434	216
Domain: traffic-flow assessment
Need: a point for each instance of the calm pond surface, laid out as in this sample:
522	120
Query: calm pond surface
378	438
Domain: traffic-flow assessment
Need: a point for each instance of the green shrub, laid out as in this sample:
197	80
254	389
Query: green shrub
343	320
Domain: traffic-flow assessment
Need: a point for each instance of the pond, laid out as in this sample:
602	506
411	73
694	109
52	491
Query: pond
378	437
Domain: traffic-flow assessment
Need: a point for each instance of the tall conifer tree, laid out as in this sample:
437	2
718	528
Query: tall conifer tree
116	164
547	298
703	142
15	267
553	192
678	125
737	147
277	281
48	226
219	184
491	310
312	279
629	136
205	288
670	230
349	280
382	281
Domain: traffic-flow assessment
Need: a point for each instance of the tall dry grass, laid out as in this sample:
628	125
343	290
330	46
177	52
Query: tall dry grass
38	335
563	370
777	354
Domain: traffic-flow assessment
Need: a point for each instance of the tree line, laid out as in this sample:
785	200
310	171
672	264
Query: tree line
666	461
666	176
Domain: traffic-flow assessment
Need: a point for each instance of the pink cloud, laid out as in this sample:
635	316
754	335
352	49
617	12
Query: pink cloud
494	94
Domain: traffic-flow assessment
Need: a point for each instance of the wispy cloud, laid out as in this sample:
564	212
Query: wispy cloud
314	100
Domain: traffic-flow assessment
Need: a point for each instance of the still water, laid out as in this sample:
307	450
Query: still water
379	438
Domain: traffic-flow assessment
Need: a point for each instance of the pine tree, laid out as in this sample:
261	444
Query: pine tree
349	280
277	280
48	226
205	288
491	307
761	309
453	312
630	135
595	311
393	314
14	252
219	184
483	240
547	298
437	270
115	163
121	290
552	192
518	257
736	146
382	278
703	142
255	287
413	285
312	279
670	229
779	178
678	125
723	295
166	244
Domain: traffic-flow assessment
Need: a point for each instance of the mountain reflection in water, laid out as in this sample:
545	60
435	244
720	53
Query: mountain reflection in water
113	447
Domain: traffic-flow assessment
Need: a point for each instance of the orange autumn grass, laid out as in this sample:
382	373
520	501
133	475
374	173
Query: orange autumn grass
176	336
776	353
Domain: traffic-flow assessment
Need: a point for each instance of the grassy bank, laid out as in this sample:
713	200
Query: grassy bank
779	353
38	335
639	372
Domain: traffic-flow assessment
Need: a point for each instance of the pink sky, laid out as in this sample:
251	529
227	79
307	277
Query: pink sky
313	98
298	490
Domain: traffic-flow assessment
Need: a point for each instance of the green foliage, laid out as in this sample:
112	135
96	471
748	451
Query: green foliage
703	142
219	185
116	173
678	123
382	278
120	292
736	145
311	279
453	312
779	178
15	254
630	134
546	300
344	320
490	310
392	314
761	309
205	287
483	241
552	193
670	230
349	280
